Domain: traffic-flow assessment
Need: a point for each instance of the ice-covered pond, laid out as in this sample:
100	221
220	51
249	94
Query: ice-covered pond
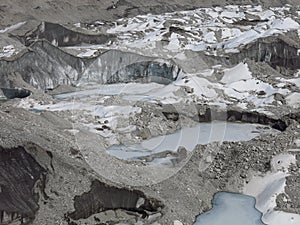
203	133
231	209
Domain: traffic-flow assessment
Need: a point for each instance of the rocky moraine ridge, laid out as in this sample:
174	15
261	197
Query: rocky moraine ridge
140	113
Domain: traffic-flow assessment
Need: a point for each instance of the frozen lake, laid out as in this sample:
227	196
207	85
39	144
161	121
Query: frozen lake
231	209
203	133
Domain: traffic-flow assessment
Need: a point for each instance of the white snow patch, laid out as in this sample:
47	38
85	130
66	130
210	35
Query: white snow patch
293	100
241	86
181	56
174	44
201	86
285	24
88	53
237	73
294	81
279	218
7	51
297	143
12	28
266	188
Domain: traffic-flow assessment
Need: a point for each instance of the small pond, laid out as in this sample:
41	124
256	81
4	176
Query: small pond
231	209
